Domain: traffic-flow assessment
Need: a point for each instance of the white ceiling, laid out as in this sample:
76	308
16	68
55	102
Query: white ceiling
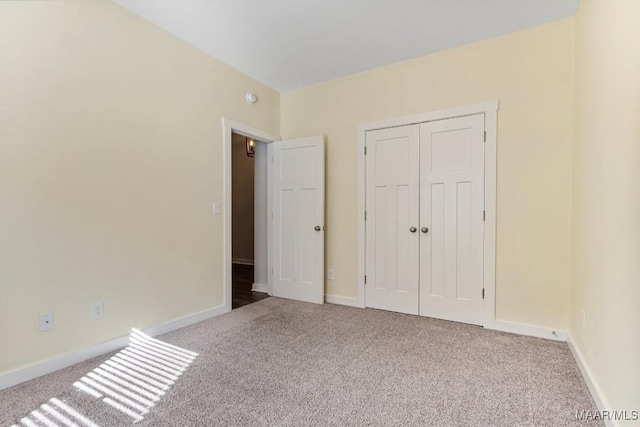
287	44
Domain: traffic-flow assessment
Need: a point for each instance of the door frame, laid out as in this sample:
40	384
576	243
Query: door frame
229	127
490	111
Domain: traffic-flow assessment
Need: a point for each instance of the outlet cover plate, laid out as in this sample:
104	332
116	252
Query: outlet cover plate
46	322
97	310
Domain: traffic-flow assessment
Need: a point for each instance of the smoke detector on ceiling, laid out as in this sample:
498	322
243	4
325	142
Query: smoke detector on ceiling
251	98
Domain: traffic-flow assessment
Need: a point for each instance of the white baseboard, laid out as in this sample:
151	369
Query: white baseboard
593	386
36	370
498	325
260	287
337	299
530	330
242	261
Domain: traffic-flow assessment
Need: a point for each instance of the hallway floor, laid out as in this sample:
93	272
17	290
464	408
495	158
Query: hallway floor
242	278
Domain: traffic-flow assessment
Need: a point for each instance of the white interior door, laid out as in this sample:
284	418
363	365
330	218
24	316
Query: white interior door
392	190
298	219
451	218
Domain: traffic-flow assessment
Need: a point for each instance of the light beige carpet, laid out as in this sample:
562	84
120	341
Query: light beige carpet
286	363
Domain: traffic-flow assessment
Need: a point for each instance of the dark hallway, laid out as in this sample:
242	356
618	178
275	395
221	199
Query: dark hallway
242	282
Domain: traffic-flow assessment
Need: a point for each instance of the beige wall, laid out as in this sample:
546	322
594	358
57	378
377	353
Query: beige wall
111	156
110	159
242	194
606	198
531	73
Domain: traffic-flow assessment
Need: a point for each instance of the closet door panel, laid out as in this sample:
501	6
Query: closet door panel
451	208
392	191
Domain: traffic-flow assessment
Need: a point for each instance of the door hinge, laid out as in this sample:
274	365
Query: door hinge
485	136
365	279
365	215
484	215
365	150
482	293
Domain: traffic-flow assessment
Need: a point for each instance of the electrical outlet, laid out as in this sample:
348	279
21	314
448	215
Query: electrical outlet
97	310
216	208
330	274
46	322
584	321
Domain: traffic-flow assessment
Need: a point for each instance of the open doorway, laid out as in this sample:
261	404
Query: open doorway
249	220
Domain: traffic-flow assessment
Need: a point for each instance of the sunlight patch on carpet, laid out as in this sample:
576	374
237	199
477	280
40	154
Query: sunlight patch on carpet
132	382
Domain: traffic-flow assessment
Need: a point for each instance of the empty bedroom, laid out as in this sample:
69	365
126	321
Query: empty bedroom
223	213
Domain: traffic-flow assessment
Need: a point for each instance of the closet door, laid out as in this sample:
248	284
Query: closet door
392	236
451	218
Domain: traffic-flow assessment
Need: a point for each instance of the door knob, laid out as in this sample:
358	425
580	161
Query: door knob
424	229
317	228
413	229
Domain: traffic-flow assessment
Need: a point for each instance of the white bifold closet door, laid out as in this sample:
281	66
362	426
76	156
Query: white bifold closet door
392	191
424	219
